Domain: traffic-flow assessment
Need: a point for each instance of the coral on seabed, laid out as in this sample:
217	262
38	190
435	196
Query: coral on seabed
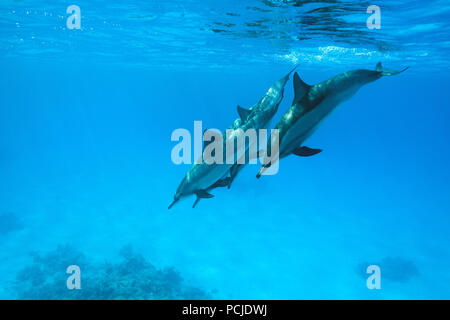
133	277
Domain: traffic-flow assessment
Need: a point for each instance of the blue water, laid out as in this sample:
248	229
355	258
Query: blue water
86	118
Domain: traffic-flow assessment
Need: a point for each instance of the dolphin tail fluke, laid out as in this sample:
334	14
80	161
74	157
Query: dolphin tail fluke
300	88
386	72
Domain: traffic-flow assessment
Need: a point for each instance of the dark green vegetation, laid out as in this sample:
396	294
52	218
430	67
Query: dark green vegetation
133	277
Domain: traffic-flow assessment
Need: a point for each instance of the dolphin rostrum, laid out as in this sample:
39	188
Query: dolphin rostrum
312	104
202	177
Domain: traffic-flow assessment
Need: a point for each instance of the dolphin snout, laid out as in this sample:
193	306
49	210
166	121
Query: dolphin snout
173	202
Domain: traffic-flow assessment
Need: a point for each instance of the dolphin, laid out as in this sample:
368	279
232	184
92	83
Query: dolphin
202	177
312	104
258	117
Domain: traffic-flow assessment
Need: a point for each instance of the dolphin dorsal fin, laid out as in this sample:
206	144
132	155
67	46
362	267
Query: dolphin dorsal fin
379	67
243	113
300	88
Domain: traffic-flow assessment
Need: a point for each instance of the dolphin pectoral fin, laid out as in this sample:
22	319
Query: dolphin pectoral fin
386	72
196	201
260	172
200	195
243	113
300	88
263	168
221	183
306	152
203	194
